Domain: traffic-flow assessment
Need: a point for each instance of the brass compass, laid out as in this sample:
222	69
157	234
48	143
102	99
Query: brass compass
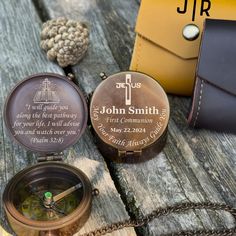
46	113
129	113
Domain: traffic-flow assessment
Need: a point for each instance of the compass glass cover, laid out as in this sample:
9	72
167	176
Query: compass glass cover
29	199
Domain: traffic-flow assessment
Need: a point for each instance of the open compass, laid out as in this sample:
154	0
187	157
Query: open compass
46	113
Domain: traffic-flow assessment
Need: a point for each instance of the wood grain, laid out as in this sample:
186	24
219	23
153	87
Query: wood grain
118	29
21	56
195	165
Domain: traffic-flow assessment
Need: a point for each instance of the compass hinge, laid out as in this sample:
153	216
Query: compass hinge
53	157
127	153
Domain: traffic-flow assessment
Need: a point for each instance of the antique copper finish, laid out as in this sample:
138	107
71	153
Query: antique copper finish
67	225
129	113
46	113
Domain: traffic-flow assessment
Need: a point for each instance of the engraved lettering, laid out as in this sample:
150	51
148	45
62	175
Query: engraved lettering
37	120
27	106
134	143
102	129
136	121
143	111
120	85
112	110
112	120
70	132
46	118
23	116
131	110
95	113
115	130
128	86
156	131
117	141
39	140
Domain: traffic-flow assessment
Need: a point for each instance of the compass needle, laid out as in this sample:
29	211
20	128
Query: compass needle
67	192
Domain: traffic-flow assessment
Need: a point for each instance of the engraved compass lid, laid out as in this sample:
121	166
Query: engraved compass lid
129	112
46	113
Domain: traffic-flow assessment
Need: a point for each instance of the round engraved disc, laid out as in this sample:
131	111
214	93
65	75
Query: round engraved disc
46	113
129	111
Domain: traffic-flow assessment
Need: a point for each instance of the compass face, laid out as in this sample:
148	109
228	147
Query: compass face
30	200
50	196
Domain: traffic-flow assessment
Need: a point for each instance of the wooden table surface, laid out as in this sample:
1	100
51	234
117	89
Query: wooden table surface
195	165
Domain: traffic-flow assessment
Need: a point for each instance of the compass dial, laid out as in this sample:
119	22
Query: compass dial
32	200
50	197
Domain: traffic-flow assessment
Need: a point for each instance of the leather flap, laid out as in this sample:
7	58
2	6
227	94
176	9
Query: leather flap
162	22
217	63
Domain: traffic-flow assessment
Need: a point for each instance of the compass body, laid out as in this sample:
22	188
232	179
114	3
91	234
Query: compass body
24	205
47	113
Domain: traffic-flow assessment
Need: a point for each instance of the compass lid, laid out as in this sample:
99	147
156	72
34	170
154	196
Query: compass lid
46	113
130	112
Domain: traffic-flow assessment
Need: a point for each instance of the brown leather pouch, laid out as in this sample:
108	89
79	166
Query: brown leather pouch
214	99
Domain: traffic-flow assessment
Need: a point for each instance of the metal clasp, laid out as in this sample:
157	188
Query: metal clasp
103	75
191	32
51	157
129	153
